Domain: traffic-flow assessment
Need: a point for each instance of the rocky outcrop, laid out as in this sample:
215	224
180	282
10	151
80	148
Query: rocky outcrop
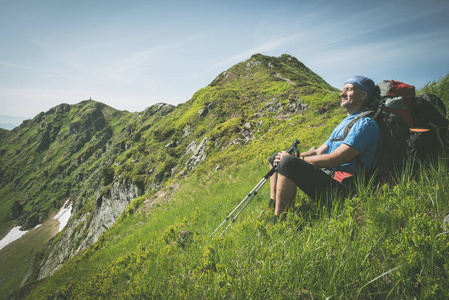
199	154
62	250
293	107
159	109
84	231
108	208
206	109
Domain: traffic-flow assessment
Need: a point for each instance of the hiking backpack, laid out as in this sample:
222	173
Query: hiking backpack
398	112
395	97
429	136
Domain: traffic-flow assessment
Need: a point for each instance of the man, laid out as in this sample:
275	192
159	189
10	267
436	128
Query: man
343	156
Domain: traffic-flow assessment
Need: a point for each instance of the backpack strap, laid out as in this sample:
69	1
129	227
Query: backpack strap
355	120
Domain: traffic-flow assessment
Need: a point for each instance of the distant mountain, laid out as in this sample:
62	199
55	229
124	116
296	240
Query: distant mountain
10	122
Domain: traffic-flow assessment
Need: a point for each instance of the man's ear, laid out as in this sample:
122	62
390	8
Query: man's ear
364	96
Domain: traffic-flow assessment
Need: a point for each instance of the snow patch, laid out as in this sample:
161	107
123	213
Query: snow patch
64	215
13	235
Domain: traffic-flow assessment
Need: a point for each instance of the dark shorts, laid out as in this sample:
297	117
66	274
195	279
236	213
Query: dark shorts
310	179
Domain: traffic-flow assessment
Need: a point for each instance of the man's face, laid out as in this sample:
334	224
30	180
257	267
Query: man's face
352	96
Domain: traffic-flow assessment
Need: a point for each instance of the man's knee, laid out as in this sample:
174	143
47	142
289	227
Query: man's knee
288	163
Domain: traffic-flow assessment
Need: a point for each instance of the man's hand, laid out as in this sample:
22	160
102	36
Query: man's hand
280	156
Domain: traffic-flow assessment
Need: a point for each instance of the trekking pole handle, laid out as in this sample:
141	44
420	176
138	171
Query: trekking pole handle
293	148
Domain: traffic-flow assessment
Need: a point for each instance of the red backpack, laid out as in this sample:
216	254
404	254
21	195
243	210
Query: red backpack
398	97
425	116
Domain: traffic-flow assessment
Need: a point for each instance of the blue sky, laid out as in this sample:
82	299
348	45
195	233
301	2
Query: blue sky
133	54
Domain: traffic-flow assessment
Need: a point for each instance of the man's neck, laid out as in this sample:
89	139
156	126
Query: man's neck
353	110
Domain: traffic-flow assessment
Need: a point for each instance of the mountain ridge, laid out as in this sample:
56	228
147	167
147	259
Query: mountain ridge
102	158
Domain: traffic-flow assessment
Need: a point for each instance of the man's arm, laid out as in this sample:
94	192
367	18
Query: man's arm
320	158
321	150
341	155
318	151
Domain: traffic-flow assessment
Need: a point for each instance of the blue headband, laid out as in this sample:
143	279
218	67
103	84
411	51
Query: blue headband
363	83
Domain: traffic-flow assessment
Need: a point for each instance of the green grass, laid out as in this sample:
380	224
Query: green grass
5	223
439	88
382	244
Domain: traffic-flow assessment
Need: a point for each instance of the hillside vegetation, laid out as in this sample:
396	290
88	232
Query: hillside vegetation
384	244
192	164
100	159
71	150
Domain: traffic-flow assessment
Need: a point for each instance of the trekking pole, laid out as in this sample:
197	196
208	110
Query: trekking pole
293	148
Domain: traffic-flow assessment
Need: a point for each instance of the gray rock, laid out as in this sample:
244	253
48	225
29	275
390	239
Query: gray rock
198	156
84	231
191	147
205	110
186	132
159	109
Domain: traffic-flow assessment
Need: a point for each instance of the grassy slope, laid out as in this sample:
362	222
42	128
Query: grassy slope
386	243
15	258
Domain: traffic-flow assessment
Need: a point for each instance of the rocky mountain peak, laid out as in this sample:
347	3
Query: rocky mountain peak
260	67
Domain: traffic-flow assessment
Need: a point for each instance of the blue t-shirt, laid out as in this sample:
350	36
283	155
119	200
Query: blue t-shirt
363	136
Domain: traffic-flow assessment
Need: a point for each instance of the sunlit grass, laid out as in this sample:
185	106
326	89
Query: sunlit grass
383	243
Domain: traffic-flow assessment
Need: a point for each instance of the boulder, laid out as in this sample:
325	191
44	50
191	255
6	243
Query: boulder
198	155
